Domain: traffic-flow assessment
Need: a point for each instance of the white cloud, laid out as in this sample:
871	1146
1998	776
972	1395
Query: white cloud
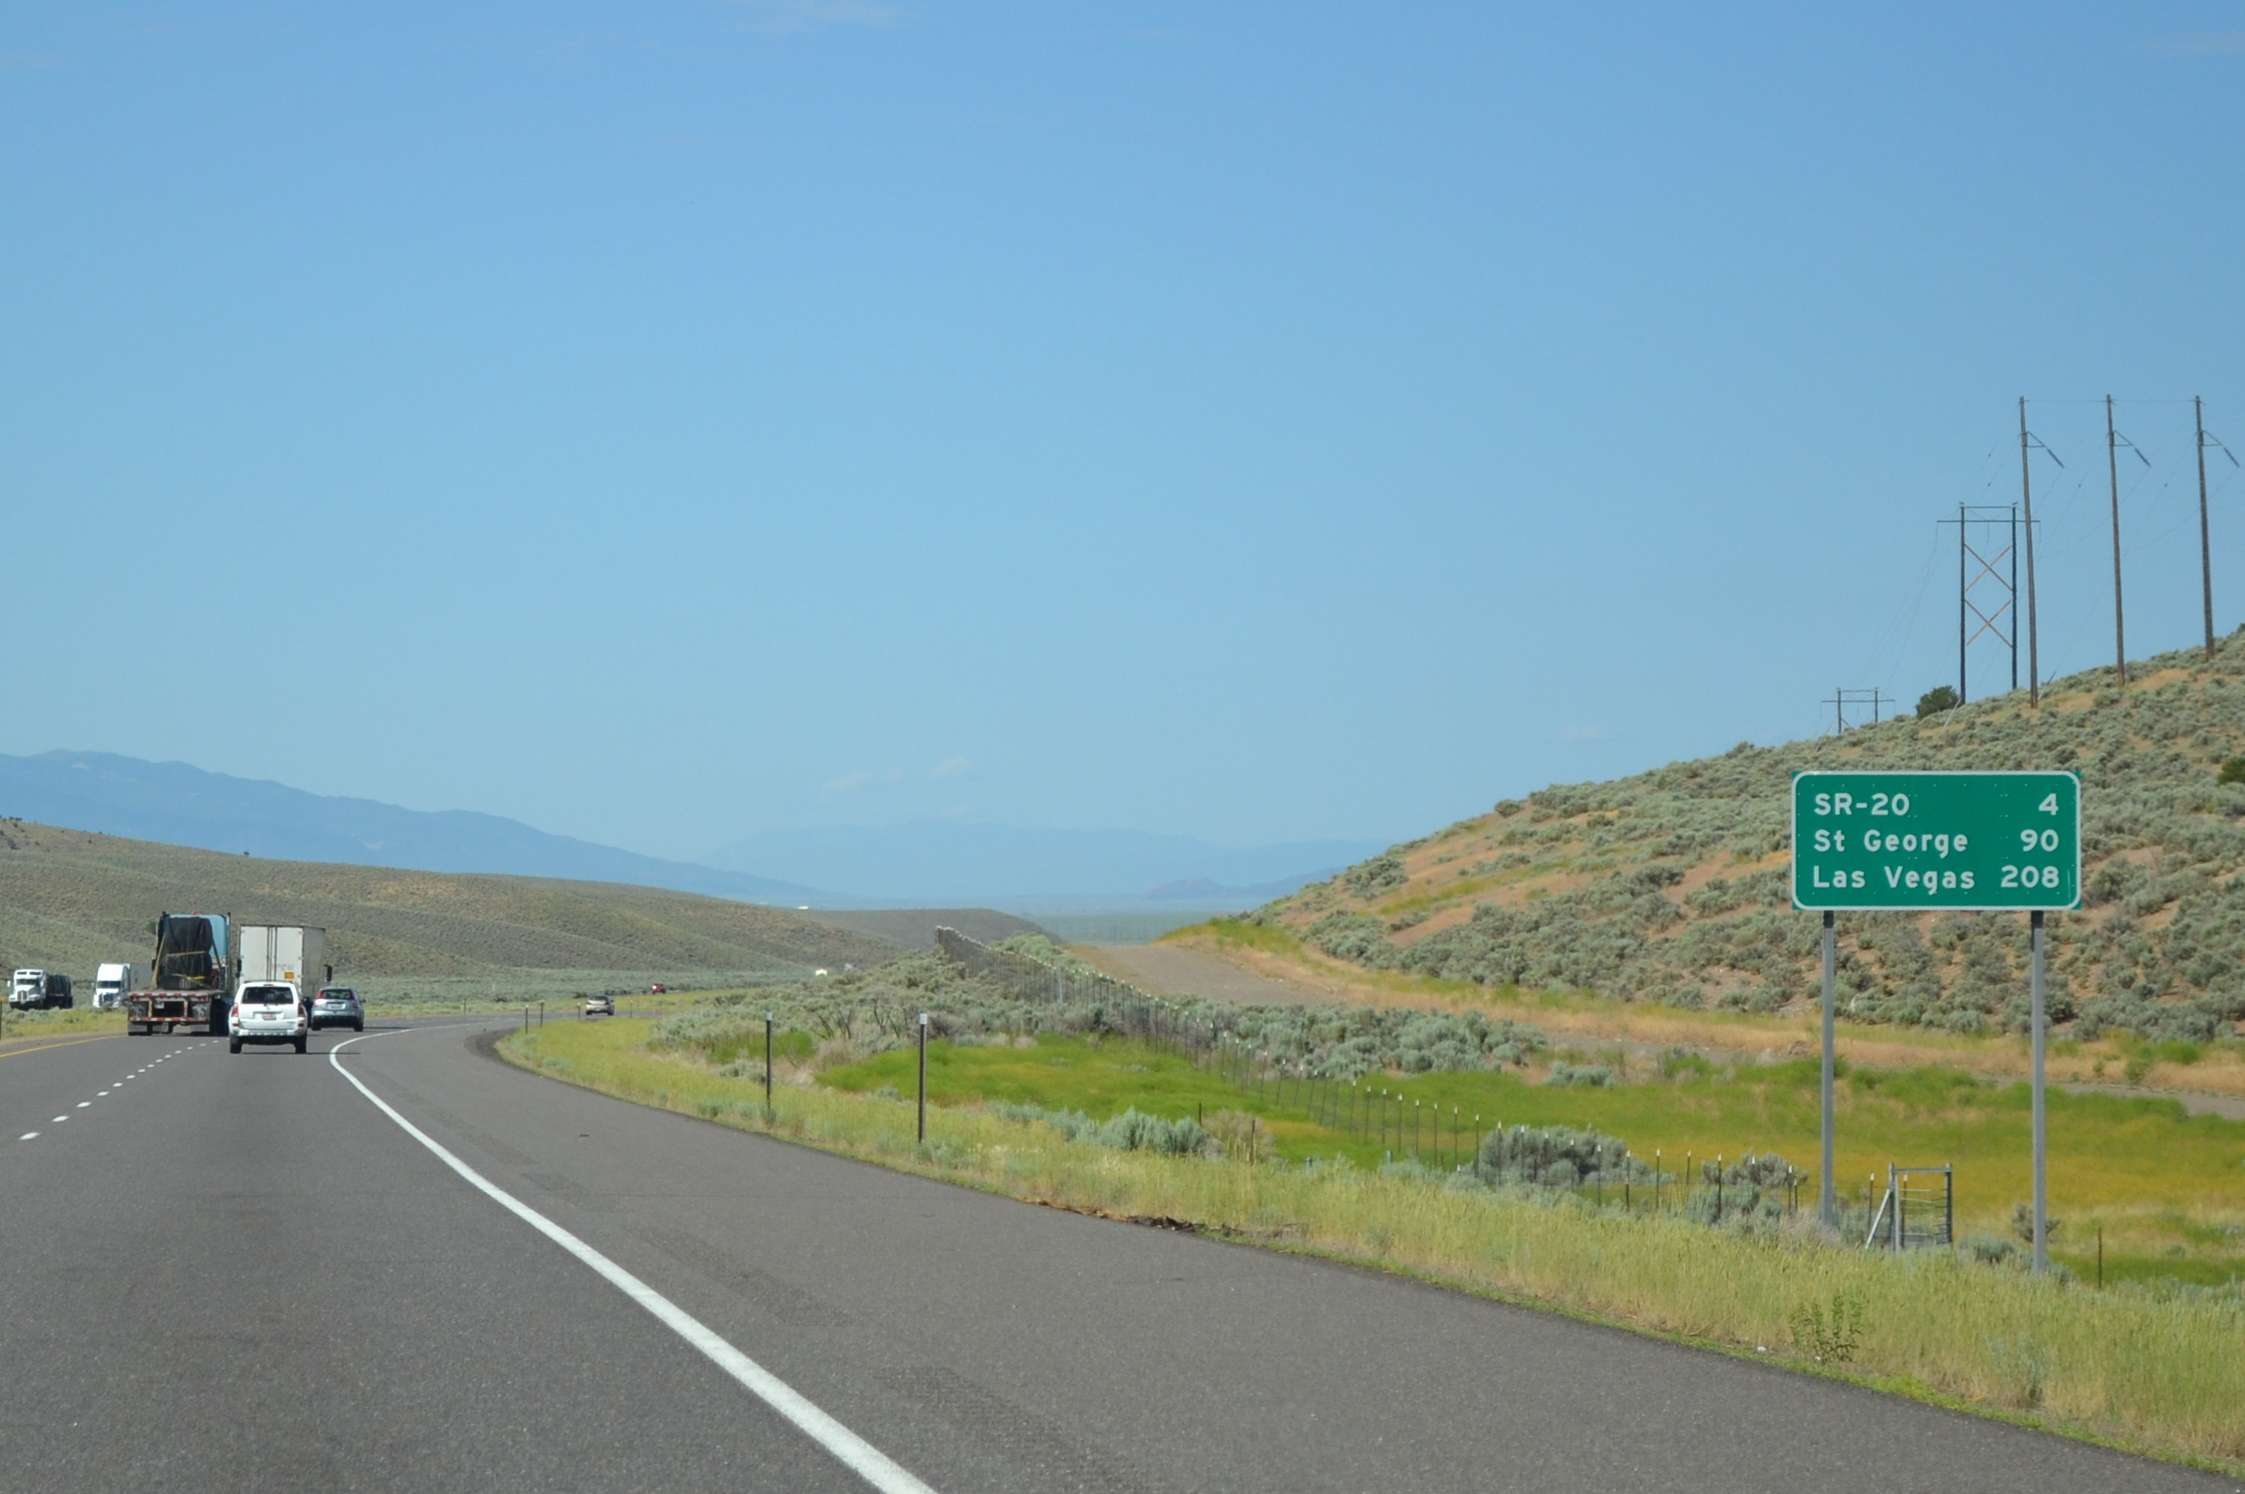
951	767
1591	733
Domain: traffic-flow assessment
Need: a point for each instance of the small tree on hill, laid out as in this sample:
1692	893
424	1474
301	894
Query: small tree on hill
1937	700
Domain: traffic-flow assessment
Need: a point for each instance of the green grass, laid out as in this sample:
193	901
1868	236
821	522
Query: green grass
1232	933
69	1022
2156	1371
2157	1179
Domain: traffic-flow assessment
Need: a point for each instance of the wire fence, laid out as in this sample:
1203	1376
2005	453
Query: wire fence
1449	1142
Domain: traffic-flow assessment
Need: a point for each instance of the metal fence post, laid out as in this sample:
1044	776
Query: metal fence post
923	1133
767	1066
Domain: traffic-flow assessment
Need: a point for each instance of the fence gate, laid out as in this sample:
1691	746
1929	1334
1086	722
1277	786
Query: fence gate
1919	1210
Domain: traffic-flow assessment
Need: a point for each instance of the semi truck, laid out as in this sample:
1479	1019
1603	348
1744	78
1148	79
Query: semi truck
113	979
191	979
40	988
290	952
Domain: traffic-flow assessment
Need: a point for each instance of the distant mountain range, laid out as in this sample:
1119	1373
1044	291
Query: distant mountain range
1011	866
929	862
186	806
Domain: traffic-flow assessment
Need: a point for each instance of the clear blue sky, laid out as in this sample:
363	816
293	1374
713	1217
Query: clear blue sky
667	421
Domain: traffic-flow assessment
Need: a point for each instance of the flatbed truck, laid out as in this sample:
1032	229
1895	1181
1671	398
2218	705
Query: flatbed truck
191	980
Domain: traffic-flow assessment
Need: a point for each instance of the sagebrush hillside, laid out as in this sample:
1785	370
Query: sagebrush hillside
69	899
1671	886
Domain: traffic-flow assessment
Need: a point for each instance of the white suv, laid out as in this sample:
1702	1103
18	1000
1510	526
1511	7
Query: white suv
268	1012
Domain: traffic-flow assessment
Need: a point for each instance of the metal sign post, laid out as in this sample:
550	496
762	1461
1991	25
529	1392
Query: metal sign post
2042	1155
1827	1203
1901	842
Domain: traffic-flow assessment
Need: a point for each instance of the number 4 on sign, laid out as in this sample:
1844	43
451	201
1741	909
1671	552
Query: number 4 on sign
2049	805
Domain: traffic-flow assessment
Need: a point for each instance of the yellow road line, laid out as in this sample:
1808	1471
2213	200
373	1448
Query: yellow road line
65	1043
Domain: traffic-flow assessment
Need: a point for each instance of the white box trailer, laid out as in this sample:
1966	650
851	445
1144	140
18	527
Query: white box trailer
112	979
281	951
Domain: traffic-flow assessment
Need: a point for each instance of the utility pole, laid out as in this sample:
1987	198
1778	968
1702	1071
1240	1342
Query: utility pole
1962	548
1843	698
2205	542
2027	497
2112	470
2205	538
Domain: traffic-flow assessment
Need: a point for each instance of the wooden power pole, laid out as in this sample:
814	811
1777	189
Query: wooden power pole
2027	496
2205	539
2112	471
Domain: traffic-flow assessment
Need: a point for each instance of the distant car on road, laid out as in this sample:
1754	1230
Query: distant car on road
658	989
600	1006
338	1006
267	1012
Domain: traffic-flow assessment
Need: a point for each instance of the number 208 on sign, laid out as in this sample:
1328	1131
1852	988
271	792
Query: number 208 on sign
1939	840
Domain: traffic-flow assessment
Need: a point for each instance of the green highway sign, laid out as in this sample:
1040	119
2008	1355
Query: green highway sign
1936	840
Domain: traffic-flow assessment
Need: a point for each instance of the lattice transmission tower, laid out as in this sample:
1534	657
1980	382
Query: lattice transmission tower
1987	582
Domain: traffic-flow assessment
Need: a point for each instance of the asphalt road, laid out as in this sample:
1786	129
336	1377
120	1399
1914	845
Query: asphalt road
238	1273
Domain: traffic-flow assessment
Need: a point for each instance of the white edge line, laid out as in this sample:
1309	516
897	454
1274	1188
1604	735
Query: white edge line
852	1451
